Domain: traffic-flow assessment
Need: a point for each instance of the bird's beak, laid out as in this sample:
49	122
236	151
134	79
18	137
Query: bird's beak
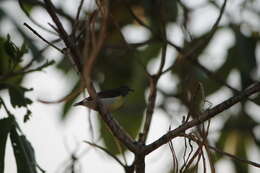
131	90
78	103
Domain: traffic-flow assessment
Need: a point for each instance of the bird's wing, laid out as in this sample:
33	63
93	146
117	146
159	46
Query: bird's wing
106	94
109	93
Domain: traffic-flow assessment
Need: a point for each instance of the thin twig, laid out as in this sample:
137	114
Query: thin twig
150	109
116	129
79	10
235	157
197	152
76	22
187	55
216	78
223	152
185	162
33	20
63	34
43	39
106	151
139	21
174	157
206	115
154	80
23	72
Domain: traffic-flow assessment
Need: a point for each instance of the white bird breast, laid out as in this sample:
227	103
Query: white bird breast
111	103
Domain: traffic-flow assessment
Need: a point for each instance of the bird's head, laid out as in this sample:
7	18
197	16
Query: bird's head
124	90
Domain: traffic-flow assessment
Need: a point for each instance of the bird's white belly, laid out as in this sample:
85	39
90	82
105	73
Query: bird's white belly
110	103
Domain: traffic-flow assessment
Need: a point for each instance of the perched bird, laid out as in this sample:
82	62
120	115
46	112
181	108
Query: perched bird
113	99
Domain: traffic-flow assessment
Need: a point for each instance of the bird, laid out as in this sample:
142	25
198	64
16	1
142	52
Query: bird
113	99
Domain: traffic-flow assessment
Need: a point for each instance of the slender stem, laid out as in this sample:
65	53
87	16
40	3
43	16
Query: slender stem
114	126
43	39
154	80
208	114
106	151
222	152
63	34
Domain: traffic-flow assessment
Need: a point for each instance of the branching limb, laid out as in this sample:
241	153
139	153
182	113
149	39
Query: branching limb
189	54
140	22
153	79
23	72
222	152
208	114
114	126
63	34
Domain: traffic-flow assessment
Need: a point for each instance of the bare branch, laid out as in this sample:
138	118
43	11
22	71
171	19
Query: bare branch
43	39
154	80
139	21
106	151
235	157
114	126
174	157
23	71
222	152
63	34
208	114
79	10
189	54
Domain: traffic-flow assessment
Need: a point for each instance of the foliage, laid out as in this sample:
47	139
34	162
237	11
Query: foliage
11	76
121	62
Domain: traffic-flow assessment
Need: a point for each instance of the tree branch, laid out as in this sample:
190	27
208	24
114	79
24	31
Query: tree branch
106	151
41	37
63	34
191	52
208	114
222	152
114	126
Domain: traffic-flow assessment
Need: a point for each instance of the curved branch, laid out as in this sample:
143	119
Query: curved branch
113	125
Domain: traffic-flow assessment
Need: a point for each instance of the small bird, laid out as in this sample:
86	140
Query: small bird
113	99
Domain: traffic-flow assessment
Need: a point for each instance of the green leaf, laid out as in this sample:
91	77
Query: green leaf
29	150
171	10
15	54
158	12
185	68
22	50
233	131
244	56
26	6
10	47
124	70
64	65
223	73
23	152
5	66
150	52
11	56
241	153
27	116
67	106
37	55
5	127
17	96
